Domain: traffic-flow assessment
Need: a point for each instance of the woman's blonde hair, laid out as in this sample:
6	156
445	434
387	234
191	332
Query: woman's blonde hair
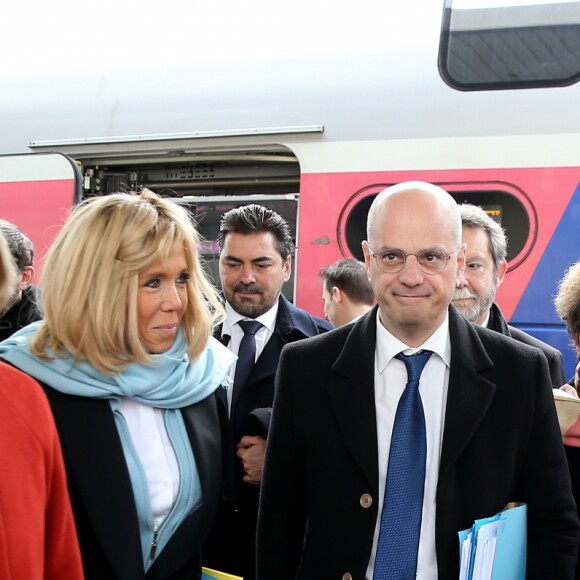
8	273
90	280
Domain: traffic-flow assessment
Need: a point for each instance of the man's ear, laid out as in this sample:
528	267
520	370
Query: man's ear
26	277
287	268
501	271
460	274
336	295
367	255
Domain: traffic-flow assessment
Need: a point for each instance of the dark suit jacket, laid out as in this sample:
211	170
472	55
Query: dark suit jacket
553	355
501	443
102	496
498	323
250	412
25	311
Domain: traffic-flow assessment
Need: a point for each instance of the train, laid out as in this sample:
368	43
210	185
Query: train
479	97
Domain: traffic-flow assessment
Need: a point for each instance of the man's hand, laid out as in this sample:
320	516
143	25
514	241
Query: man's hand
570	390
251	451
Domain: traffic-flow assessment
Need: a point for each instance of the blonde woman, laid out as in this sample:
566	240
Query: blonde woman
126	357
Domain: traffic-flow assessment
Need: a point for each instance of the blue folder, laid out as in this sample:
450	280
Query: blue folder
509	556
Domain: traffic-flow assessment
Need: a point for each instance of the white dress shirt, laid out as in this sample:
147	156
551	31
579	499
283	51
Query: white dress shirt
232	329
390	382
155	451
486	321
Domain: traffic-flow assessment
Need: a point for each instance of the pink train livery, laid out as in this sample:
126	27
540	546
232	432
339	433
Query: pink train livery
480	100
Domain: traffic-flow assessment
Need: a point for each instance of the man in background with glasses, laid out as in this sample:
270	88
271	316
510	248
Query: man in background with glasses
392	434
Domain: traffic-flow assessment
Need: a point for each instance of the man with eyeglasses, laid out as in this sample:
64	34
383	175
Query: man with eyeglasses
485	268
392	434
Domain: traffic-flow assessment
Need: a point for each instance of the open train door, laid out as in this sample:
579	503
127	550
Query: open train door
37	192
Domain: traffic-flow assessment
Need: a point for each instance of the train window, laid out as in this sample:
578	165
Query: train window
510	44
510	213
355	224
508	205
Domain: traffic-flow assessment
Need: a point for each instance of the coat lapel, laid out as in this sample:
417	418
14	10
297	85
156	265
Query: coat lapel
96	463
267	362
353	400
352	395
469	394
288	328
201	423
292	324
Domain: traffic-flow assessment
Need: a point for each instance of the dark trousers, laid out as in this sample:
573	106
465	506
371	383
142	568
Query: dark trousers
231	545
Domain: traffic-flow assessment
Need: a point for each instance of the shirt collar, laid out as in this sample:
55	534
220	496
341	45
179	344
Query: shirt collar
388	345
485	323
268	319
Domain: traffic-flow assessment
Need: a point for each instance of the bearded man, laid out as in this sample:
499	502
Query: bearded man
485	268
255	262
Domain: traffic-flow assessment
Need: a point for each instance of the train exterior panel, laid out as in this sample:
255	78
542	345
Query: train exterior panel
316	129
546	203
37	192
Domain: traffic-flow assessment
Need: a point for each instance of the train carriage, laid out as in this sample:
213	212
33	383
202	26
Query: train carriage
480	98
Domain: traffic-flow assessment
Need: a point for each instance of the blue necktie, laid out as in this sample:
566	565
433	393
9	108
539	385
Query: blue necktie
246	360
398	545
246	355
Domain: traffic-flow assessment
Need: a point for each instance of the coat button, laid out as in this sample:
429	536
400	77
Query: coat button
347	576
366	500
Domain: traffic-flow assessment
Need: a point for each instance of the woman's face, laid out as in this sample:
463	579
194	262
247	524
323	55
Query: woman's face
162	300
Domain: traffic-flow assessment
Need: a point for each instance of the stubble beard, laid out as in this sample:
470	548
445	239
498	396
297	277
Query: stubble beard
481	304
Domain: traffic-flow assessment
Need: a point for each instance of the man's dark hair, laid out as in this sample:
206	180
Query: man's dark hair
255	219
20	246
349	276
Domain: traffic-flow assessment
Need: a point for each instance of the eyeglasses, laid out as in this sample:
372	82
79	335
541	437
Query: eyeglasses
430	262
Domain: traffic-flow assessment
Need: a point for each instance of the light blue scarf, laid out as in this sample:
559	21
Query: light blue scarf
170	383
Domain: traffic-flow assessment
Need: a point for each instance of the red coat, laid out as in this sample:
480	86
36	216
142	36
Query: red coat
37	532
